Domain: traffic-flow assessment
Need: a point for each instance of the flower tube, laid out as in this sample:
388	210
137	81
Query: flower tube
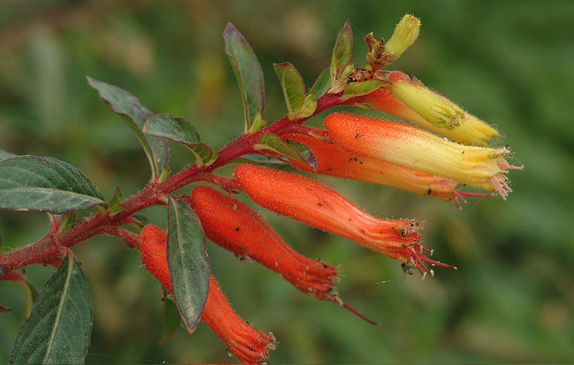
243	340
334	161
236	227
309	202
407	146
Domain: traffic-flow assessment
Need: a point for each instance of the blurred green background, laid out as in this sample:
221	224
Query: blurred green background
510	63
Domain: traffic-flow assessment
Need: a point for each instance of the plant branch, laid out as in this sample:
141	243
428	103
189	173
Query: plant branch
51	248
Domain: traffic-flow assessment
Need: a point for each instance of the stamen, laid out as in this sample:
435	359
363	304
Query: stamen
355	312
511	167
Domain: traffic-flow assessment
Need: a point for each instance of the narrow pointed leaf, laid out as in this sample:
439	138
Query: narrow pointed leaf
130	109
182	131
277	146
322	84
45	184
171	320
362	88
188	261
341	51
58	330
293	87
247	71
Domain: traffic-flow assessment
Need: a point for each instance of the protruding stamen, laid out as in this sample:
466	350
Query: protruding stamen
355	312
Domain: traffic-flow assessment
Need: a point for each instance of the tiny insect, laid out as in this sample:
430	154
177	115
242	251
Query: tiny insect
361	74
406	270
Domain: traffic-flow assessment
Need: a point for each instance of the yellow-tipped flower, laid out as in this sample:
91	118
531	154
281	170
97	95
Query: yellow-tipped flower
407	146
335	161
406	33
435	108
473	131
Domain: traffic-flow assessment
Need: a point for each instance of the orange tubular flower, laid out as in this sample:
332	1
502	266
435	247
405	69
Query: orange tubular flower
243	340
407	146
236	227
334	161
309	202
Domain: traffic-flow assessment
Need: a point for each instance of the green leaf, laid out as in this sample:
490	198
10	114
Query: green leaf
188	261
362	88
247	71
45	184
130	109
4	155
175	128
341	51
182	131
171	320
59	328
293	87
275	144
322	84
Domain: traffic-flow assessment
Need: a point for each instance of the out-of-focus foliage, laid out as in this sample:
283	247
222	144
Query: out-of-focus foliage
510	63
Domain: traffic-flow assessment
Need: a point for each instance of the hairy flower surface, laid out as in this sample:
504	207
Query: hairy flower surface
335	161
472	131
309	202
236	227
407	146
243	340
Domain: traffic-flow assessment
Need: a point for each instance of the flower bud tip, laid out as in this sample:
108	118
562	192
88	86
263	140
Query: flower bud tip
405	34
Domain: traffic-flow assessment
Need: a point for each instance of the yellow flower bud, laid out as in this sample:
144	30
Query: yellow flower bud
435	108
406	33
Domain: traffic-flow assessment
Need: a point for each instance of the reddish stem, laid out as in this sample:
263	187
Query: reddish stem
50	248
